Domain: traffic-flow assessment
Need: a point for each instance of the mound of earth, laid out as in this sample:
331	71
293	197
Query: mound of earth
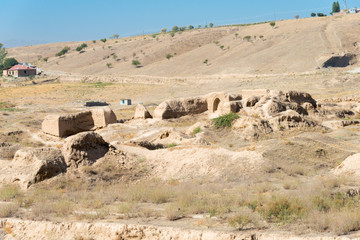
84	149
32	165
188	162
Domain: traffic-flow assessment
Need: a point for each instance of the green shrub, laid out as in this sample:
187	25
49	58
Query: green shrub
62	52
197	130
171	145
247	38
272	24
313	14
164	30
168	56
136	63
191	27
103	40
211	24
206	61
81	47
175	28
45	59
225	120
109	65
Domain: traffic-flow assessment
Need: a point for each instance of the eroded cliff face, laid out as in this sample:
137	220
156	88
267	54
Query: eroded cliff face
43	230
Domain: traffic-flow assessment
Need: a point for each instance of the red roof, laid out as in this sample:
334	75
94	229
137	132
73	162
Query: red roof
20	67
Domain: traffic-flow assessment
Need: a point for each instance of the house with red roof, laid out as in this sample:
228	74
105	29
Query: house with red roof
20	71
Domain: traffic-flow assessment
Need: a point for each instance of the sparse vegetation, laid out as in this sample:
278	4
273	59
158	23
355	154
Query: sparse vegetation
191	27
206	61
313	14
197	130
211	24
136	63
109	65
115	36
81	47
62	52
45	59
297	16
175	28
225	120
321	15
272	24
163	30
247	38
103	40
168	56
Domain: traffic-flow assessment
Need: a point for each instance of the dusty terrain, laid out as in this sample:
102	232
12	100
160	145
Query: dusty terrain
203	182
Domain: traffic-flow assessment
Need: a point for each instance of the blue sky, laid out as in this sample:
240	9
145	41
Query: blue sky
29	22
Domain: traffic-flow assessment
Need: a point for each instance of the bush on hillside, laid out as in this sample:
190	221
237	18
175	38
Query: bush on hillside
103	40
136	63
62	52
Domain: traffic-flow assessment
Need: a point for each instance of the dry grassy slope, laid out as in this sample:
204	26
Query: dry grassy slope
292	46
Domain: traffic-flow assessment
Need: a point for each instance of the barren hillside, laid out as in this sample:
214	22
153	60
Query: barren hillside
291	46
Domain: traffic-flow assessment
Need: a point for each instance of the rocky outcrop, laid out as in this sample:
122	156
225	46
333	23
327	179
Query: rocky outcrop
141	112
349	167
180	107
32	165
84	149
66	125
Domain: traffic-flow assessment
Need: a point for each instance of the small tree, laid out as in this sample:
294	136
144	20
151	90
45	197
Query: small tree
46	59
272	24
206	61
182	28
211	24
297	16
168	56
114	36
321	15
191	27
336	7
109	65
9	62
199	26
172	34
136	63
3	54
103	40
163	30
175	28
205	26
313	14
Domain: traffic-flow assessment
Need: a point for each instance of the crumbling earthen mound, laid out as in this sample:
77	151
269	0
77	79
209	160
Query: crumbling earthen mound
84	149
141	112
181	107
32	165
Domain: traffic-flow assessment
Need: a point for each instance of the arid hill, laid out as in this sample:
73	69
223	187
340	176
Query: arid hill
291	46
